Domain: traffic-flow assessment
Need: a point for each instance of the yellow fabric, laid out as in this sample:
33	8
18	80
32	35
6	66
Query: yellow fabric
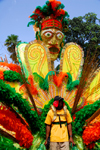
58	134
71	59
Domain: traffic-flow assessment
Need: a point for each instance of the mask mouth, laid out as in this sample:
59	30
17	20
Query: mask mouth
54	50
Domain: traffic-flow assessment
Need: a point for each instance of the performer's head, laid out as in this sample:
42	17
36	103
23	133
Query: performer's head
58	102
50	23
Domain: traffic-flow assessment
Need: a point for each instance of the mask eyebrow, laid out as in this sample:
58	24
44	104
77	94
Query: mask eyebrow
47	30
59	32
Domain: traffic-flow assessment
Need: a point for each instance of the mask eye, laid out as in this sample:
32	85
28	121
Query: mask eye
48	34
59	36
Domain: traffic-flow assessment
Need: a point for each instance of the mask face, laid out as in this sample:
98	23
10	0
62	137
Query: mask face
52	39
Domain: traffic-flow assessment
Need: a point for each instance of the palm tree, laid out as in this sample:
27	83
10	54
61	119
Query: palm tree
11	43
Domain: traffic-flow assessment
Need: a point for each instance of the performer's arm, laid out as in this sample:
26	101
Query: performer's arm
47	133
69	126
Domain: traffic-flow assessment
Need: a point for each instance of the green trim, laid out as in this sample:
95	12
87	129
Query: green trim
20	43
9	96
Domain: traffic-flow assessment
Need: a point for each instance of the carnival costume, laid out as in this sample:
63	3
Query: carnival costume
23	110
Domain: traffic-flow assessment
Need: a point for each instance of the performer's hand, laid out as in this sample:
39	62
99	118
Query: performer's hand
45	143
71	141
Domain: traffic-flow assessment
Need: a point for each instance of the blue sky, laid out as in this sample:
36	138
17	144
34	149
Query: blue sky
14	17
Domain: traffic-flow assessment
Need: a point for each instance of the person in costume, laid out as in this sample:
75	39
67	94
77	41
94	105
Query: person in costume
50	22
58	123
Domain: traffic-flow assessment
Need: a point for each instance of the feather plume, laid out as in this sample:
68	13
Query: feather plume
90	66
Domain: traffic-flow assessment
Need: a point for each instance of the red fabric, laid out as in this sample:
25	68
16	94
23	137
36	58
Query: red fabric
51	23
56	103
10	122
54	4
60	12
1	75
37	11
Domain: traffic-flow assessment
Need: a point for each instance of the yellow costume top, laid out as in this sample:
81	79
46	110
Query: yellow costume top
58	134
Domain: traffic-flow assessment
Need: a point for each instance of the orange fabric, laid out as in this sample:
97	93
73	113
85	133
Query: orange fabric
91	134
58	79
31	86
11	66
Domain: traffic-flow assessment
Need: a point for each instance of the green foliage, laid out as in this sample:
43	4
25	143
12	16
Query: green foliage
85	31
37	143
78	141
73	147
11	43
97	145
83	115
12	76
7	144
9	96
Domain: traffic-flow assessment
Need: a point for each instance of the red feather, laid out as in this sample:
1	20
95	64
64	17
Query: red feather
54	4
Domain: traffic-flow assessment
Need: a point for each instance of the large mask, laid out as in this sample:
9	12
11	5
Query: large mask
51	20
52	38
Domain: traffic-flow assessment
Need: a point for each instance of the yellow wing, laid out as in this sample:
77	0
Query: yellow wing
37	58
72	60
20	55
92	93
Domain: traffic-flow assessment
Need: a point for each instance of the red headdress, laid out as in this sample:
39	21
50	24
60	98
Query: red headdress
50	15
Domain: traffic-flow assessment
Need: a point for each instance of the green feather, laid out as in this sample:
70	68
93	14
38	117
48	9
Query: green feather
39	7
36	35
30	23
31	15
37	77
71	85
62	6
47	2
43	83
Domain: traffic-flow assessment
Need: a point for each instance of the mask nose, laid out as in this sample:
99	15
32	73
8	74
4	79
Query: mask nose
53	41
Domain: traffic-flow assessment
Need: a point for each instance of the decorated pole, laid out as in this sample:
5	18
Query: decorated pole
93	116
27	88
28	91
